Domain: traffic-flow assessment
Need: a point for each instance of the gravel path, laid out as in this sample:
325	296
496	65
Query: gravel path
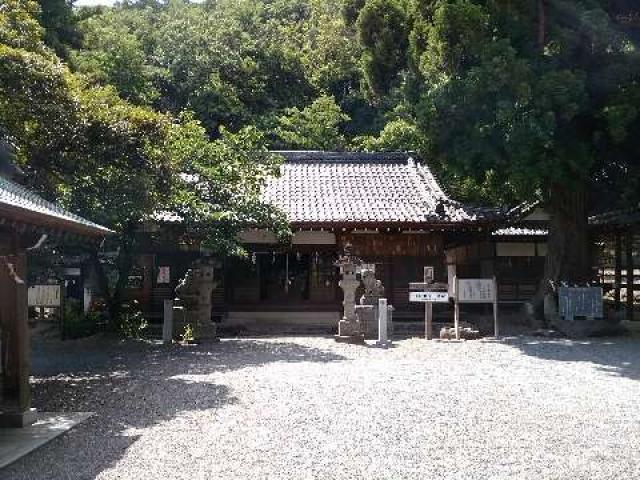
309	408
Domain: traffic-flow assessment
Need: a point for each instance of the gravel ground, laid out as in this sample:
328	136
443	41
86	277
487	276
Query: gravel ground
309	408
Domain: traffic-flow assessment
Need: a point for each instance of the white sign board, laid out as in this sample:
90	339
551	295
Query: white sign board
44	296
476	290
424	297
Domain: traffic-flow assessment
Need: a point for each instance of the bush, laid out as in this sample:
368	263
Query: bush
131	323
76	324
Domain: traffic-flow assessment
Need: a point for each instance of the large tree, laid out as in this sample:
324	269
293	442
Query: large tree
536	100
117	163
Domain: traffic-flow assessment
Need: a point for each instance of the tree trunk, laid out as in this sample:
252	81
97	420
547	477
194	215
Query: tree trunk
542	23
569	248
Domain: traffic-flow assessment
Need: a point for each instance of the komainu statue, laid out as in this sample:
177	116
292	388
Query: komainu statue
194	299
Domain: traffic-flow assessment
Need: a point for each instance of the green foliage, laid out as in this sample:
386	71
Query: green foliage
131	322
232	63
316	127
491	98
217	192
59	23
19	27
113	55
118	163
382	29
77	324
187	334
396	136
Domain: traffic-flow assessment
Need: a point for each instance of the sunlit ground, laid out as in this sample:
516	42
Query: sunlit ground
311	408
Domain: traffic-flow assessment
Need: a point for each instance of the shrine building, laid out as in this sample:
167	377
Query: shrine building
388	206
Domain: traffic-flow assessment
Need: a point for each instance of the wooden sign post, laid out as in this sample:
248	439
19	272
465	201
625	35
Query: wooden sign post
475	290
428	292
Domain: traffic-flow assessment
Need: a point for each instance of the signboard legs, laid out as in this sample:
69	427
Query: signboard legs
496	331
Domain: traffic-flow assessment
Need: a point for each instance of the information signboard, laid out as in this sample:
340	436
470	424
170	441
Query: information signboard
476	290
423	297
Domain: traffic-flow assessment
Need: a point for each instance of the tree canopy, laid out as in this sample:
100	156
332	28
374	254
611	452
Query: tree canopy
115	162
528	100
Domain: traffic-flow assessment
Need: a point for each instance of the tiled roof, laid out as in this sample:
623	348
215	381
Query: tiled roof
24	206
348	187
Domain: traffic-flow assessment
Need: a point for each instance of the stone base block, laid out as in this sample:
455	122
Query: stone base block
466	333
347	328
17	419
357	339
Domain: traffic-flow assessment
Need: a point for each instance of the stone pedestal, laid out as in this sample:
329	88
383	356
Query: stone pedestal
367	310
194	301
17	418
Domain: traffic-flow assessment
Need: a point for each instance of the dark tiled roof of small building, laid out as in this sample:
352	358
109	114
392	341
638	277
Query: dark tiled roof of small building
364	188
22	205
621	217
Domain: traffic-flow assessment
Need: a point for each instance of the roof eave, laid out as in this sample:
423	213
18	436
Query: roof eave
29	217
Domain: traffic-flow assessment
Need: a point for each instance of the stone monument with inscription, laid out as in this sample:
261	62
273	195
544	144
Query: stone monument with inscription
194	300
349	328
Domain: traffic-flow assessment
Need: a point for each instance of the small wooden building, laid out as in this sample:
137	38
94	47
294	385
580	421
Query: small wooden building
26	221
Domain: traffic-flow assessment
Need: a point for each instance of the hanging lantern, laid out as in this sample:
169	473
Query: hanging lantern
254	258
298	256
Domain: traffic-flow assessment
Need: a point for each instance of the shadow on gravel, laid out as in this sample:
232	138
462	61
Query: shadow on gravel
617	356
131	386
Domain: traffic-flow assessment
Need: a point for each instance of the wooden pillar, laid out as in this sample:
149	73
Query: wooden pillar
629	277
14	313
618	271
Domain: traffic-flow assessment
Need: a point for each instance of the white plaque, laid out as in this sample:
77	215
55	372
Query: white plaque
424	297
476	290
164	275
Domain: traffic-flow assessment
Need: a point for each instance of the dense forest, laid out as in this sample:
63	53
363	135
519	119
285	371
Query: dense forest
509	101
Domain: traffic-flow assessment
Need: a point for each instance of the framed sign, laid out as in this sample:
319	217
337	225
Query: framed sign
475	290
423	297
428	274
44	296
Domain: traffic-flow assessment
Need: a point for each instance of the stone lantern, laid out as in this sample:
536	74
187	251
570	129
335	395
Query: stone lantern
349	329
